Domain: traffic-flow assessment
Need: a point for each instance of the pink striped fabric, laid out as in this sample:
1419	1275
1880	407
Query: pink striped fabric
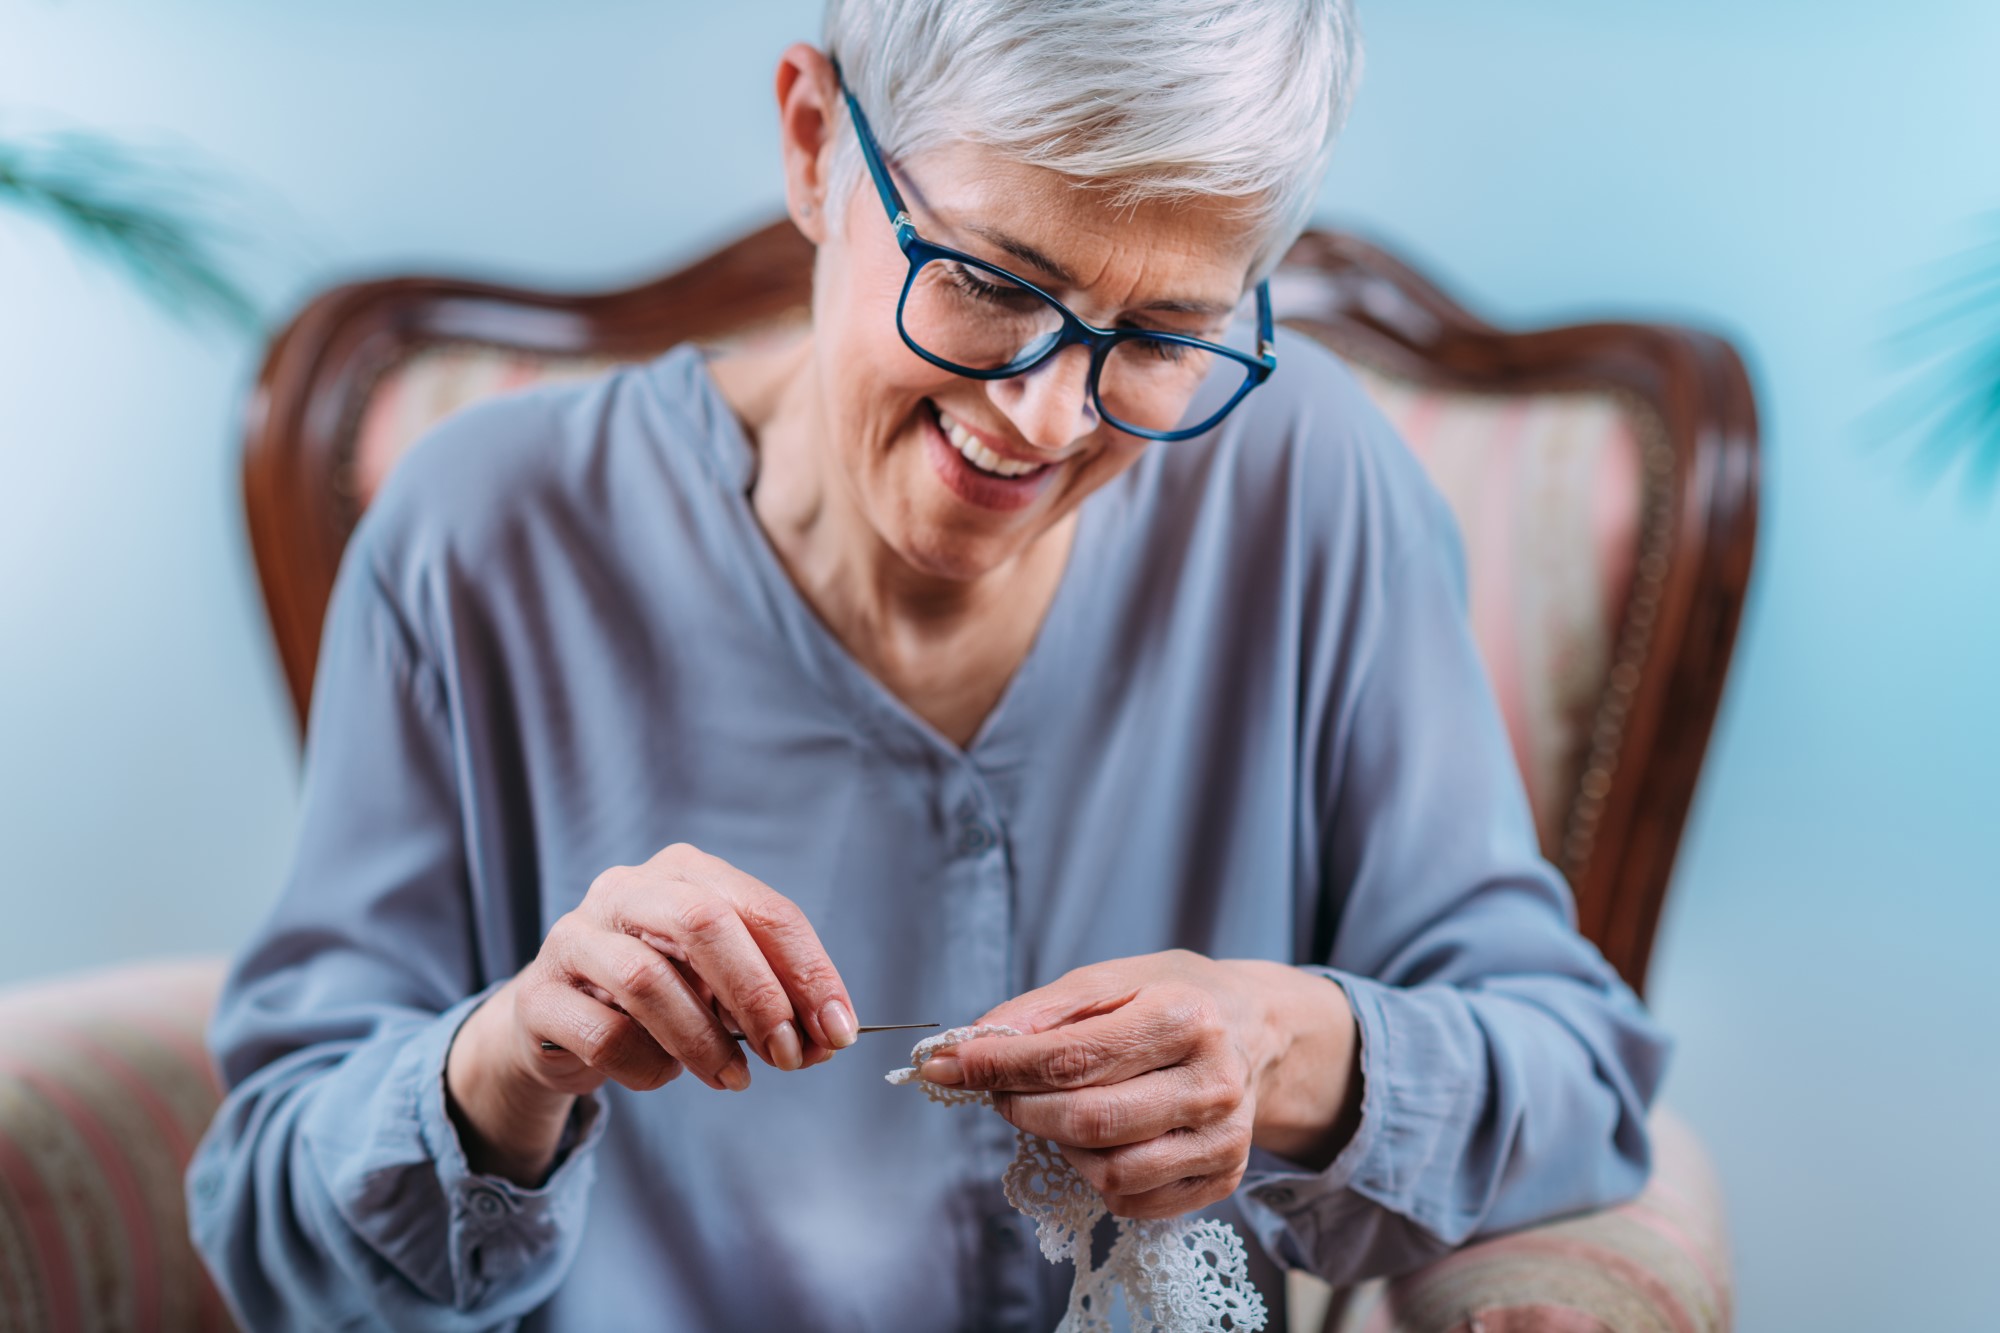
433	384
1547	491
1659	1264
104	1089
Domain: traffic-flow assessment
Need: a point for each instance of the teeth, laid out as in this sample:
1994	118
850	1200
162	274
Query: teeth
978	454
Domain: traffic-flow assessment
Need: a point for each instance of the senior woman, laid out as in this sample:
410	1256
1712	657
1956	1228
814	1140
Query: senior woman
1038	639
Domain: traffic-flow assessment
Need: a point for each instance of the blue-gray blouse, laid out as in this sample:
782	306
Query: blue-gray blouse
1253	724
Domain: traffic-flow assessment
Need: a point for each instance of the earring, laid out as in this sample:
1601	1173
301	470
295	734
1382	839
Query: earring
805	210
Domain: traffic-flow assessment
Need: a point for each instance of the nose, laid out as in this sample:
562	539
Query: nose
1050	405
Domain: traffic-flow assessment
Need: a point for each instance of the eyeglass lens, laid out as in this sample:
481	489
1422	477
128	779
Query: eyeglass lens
975	318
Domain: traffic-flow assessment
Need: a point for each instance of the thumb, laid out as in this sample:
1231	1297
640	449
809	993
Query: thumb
1082	993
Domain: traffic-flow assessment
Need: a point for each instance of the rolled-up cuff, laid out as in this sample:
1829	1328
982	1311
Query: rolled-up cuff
502	1232
1298	1212
402	1180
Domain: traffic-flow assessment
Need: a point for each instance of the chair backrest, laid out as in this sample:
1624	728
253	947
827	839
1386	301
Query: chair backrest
1604	476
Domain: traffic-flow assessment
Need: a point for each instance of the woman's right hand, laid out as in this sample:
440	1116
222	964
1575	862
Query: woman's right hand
633	986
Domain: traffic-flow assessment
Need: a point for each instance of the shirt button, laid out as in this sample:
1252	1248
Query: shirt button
1278	1195
1003	1232
487	1204
975	840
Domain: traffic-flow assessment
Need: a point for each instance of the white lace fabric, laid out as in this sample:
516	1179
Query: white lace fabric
1178	1274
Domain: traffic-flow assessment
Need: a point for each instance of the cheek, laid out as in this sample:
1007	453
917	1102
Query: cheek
872	381
857	284
848	312
1119	452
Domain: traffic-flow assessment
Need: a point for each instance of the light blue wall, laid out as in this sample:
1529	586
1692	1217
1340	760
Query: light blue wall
1791	174
1786	172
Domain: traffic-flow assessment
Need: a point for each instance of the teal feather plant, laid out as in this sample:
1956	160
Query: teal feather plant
1947	407
147	215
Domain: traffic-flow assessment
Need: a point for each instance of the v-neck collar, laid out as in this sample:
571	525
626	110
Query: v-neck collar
1003	737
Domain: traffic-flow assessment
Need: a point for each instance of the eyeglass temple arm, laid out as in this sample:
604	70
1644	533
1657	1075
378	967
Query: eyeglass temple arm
899	213
1267	347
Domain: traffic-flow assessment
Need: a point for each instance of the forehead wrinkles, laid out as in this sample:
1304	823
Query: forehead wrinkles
1163	263
1121	257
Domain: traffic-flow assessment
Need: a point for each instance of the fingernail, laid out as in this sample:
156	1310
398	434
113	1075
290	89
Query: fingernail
943	1069
736	1075
784	1047
838	1024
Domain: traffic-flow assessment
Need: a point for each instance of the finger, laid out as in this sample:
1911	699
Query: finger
1083	992
1134	1171
647	986
591	1042
819	999
731	1023
702	990
1177	1199
1107	1115
800	961
716	954
729	1020
1133	1040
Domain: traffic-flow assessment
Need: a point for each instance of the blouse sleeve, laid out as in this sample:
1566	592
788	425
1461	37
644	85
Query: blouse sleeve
1506	1068
331	1189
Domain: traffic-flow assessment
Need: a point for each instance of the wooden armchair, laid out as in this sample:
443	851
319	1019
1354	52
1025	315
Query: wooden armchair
1604	476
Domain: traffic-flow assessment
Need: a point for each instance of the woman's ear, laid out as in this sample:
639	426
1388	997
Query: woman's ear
808	98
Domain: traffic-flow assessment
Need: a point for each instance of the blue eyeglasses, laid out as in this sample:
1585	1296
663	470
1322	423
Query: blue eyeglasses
962	314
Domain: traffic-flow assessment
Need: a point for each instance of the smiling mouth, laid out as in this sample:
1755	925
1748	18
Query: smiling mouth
979	456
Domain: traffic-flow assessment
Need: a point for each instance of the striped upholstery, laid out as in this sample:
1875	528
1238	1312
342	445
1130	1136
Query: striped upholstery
428	387
104	1089
1547	491
1659	1264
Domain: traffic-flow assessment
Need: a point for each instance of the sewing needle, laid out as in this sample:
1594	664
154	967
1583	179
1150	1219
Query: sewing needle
873	1027
878	1027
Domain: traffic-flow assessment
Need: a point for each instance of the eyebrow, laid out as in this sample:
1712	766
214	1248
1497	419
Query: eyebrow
1180	307
1022	251
1028	254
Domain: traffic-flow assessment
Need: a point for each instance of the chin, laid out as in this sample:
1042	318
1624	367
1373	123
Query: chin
954	556
937	533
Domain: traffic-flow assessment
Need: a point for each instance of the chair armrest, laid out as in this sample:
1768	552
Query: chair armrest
105	1086
1658	1262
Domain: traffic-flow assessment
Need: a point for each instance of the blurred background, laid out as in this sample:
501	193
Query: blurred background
1804	178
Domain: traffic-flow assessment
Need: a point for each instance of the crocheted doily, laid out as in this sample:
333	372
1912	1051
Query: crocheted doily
1179	1274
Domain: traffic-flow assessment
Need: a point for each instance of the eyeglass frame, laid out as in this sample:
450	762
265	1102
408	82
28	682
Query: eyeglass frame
1074	330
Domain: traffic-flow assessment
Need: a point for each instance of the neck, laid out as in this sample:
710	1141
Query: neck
887	610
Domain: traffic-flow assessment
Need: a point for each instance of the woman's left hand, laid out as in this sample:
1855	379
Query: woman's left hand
1155	1075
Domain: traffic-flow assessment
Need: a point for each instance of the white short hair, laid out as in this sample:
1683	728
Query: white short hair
1154	99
